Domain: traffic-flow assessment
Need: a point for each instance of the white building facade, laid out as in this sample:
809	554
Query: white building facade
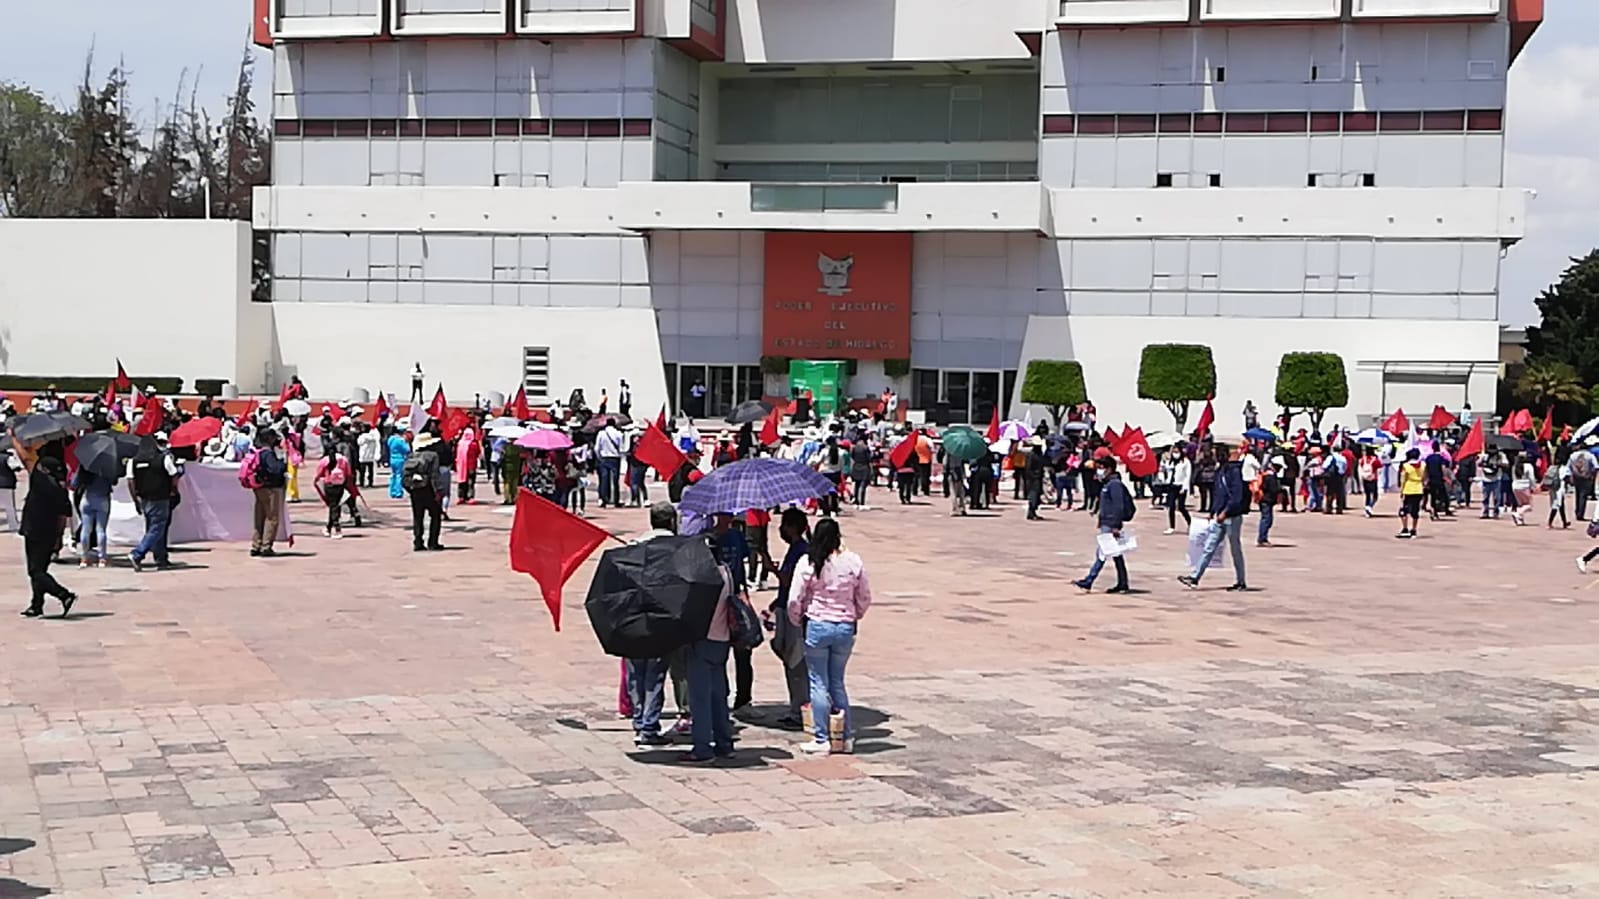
576	191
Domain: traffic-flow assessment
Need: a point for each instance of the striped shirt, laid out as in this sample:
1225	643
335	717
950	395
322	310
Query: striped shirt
839	594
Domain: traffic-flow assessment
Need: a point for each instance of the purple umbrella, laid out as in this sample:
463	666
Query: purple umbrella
544	440
754	484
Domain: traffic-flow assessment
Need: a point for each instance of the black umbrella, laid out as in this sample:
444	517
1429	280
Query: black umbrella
748	411
1505	442
650	598
597	423
43	427
103	452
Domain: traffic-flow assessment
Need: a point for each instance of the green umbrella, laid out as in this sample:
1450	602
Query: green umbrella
964	444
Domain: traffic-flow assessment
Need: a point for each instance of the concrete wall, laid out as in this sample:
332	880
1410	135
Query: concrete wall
336	346
167	297
1247	355
778	31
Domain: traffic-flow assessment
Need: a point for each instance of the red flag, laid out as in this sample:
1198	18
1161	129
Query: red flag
336	413
123	382
992	434
152	418
283	397
381	409
1547	432
660	420
902	453
440	407
549	543
1440	419
517	407
1520	420
1207	417
1396	423
1473	444
1565	433
769	432
1112	438
456	421
1136	454
655	449
110	394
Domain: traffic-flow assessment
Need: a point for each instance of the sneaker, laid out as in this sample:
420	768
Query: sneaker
643	740
1120	588
103	564
31	612
1189	581
1169	531
1582	565
1238	587
326	532
816	747
1368	513
137	564
255	554
338	535
689	758
849	746
1084	586
268	553
683	727
83	563
66	604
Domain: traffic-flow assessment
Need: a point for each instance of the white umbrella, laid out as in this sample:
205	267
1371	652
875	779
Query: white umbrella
1014	430
503	421
1075	427
1163	439
1587	428
297	407
509	432
1374	435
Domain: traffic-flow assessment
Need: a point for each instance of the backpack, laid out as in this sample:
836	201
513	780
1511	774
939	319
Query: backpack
270	469
414	474
1582	465
249	470
334	475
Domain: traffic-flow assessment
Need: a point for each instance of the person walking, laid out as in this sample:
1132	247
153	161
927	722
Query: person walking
1116	508
467	449
1581	467
1033	471
421	474
1489	467
1555	482
368	447
624	399
788	639
831	598
1522	479
45	514
609	448
1175	475
94	514
152	474
333	477
1266	501
399	450
264	473
1229	504
1412	487
860	472
9	467
1370	468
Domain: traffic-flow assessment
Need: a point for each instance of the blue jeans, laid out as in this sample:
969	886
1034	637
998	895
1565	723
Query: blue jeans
1266	516
157	516
96	514
646	690
1099	564
827	648
707	698
1232	529
1490	498
1063	489
610	470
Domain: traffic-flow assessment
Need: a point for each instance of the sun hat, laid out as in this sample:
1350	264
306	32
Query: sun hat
423	441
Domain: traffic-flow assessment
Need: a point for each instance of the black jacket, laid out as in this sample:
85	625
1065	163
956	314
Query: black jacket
1115	503
47	506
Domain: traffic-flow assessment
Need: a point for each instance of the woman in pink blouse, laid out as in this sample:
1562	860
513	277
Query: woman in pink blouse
830	597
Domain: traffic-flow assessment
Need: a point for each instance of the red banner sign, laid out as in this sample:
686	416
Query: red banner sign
837	295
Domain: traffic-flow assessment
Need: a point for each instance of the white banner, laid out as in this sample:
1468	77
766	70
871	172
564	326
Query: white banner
215	509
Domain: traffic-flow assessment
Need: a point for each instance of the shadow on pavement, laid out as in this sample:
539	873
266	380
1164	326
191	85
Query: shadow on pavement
11	887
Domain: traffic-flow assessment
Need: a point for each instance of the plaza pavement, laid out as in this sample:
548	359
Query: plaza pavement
1378	718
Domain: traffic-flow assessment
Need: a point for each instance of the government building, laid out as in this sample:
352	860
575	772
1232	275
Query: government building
563	193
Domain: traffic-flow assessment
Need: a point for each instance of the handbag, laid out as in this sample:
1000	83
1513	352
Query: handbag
743	624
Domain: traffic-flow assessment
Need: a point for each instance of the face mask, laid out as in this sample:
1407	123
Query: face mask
1104	474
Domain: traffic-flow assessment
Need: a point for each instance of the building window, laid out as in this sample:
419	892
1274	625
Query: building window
1368	179
1215	179
1221	74
1163	179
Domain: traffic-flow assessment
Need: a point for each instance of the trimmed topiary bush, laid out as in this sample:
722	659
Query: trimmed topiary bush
1054	384
1313	383
1176	374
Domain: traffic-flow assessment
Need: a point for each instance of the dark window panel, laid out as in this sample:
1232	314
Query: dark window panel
441	127
507	127
1399	121
569	128
637	127
1324	122
350	128
1286	122
1444	120
317	128
1360	121
1174	123
1245	122
1485	120
535	127
477	127
1135	124
385	128
286	127
1207	123
605	127
410	127
1060	124
1096	124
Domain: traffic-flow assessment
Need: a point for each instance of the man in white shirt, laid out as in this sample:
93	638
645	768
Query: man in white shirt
609	448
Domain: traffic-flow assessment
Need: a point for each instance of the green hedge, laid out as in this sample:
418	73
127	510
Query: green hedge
896	368
1054	384
1312	381
74	384
774	365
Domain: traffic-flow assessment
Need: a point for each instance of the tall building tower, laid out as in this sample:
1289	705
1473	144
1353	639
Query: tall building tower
676	191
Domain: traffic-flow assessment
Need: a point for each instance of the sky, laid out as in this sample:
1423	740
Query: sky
1553	129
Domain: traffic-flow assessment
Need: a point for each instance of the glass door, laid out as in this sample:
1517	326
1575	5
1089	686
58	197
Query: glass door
722	392
688	376
957	392
985	395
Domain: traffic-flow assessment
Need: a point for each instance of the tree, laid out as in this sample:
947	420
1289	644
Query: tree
1593	398
1054	384
1568	330
1176	374
33	154
1546	383
1311	382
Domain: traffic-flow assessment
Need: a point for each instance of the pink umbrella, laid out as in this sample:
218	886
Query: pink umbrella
544	440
